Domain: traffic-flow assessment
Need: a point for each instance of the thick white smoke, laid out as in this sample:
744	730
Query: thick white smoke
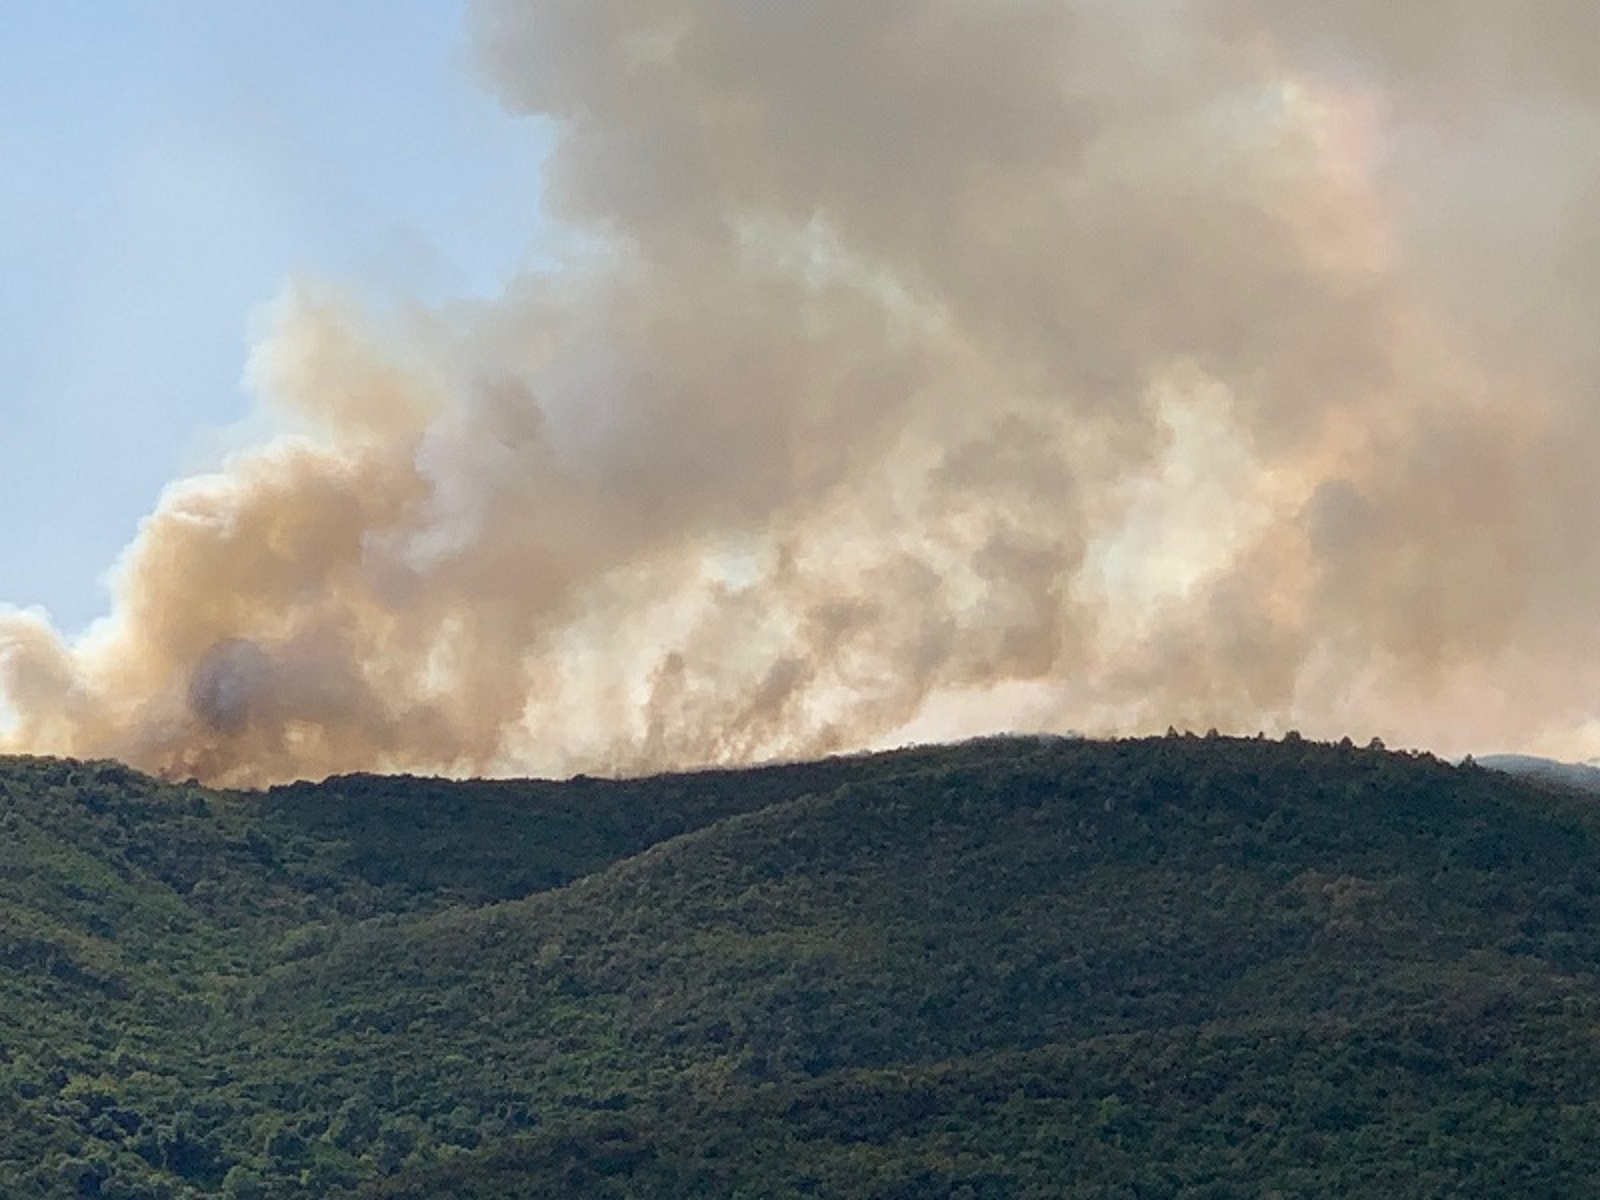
923	366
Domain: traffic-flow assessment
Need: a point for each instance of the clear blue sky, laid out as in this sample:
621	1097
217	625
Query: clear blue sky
165	166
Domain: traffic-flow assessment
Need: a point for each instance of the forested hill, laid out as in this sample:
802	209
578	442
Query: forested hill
1017	967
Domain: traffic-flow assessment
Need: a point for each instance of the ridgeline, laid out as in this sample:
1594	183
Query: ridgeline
1024	967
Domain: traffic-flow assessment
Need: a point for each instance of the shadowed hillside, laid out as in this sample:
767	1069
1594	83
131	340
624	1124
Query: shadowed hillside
1018	967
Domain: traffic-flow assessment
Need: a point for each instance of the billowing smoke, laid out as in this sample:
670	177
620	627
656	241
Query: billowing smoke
918	367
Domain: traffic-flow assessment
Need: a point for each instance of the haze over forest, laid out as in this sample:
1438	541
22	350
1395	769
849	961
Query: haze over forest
912	369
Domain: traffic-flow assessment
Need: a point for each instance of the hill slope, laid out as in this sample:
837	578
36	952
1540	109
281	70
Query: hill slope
1165	967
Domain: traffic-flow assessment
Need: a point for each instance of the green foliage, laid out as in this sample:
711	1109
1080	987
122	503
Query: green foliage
1016	967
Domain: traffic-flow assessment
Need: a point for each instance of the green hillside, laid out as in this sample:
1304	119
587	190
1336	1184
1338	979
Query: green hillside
1018	967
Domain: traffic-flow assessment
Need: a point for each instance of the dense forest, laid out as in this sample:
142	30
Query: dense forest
1022	967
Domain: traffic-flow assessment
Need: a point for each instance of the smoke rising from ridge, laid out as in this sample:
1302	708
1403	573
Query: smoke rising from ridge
922	366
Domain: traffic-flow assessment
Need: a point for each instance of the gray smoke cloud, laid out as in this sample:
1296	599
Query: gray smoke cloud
916	368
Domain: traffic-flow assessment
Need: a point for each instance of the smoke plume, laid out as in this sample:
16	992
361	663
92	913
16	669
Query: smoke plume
913	368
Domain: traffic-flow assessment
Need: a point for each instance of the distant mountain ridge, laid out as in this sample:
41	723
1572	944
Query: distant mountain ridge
1012	968
1584	776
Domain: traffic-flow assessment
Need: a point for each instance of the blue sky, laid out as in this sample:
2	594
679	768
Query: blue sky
165	167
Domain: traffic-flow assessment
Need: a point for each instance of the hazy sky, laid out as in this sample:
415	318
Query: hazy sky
785	378
165	167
